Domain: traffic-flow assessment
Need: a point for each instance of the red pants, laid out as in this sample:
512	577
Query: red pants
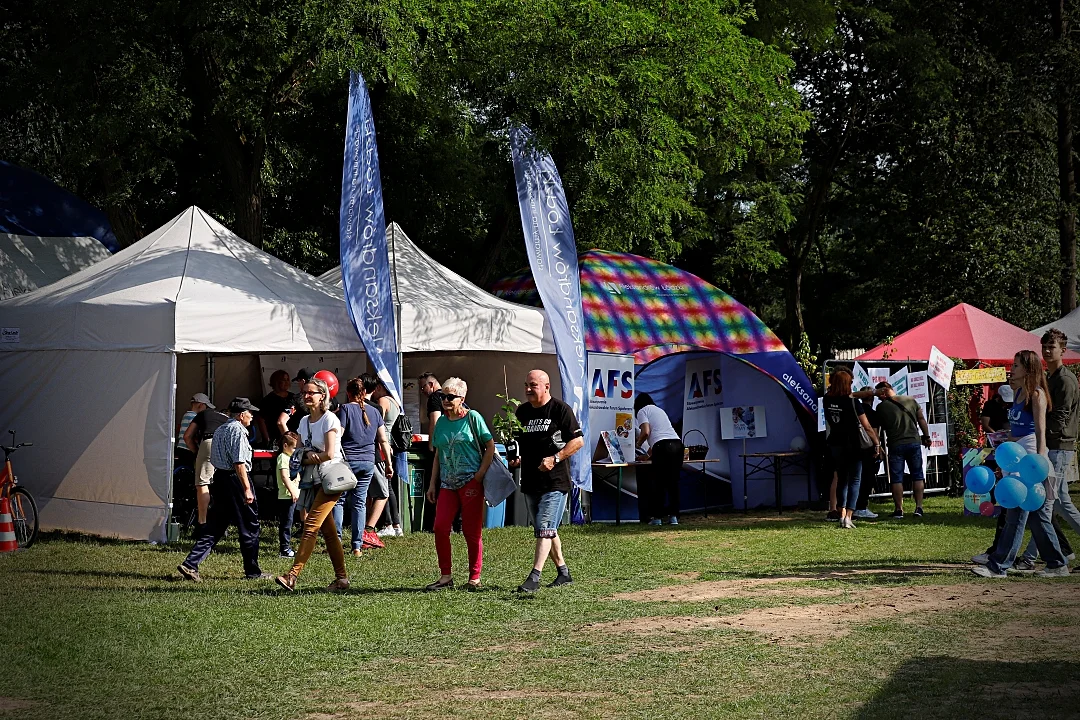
470	500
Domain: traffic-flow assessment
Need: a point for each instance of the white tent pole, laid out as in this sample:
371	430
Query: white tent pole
170	457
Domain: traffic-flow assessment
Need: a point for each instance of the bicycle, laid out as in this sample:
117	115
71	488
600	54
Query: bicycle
24	511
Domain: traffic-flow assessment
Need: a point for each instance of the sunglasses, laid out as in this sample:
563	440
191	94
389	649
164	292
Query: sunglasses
451	398
312	392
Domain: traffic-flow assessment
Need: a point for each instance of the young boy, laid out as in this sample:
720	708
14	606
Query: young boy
288	493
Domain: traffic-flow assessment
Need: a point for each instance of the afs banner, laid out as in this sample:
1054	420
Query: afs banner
365	265
703	394
549	241
611	403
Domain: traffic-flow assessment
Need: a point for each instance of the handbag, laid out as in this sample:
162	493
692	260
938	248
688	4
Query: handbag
499	483
336	477
864	437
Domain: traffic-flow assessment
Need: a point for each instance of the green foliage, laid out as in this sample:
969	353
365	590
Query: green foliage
807	360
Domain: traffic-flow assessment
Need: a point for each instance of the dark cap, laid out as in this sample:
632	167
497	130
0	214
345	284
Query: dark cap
303	375
240	404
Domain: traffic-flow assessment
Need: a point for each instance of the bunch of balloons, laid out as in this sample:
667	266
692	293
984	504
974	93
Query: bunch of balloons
1021	484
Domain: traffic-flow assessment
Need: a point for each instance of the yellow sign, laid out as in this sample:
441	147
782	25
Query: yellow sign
981	376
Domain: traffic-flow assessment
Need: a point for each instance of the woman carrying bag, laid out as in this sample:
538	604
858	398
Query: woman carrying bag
459	468
320	430
849	435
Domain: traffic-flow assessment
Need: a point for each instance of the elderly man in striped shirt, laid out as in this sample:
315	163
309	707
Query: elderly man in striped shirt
232	493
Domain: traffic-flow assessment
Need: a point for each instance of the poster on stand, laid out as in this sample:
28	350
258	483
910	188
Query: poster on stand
743	422
703	395
917	387
859	377
939	439
940	368
899	381
611	404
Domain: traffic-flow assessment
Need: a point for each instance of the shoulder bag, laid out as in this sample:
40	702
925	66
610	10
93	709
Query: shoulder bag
499	483
336	477
864	437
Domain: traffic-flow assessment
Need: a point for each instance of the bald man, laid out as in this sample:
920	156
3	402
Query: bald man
550	436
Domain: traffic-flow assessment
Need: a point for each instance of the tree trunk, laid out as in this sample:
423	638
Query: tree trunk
242	160
794	304
1066	173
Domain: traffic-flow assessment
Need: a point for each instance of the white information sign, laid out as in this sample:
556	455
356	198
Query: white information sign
899	381
859	377
611	405
939	439
941	368
917	387
743	422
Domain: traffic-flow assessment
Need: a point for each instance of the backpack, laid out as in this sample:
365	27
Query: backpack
401	434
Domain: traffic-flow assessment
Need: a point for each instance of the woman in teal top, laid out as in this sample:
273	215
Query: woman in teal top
464	450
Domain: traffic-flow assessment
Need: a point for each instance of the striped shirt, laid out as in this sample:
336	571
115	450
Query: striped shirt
230	446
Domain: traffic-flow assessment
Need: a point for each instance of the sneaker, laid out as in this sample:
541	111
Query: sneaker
189	573
357	552
918	512
561	580
897	515
1023	565
1062	571
981	558
258	576
398	532
287	553
984	571
673	520
529	586
388	531
371	540
286	581
1070	557
339	585
833	516
656	521
865	514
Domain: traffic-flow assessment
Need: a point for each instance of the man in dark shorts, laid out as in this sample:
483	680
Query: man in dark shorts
550	435
277	409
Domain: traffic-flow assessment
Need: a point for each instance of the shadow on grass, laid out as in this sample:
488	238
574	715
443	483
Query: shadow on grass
953	688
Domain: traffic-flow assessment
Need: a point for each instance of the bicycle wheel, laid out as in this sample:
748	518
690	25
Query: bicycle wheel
24	516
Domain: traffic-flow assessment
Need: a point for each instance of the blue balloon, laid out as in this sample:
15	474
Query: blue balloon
1033	469
1010	492
1036	496
1007	455
979	479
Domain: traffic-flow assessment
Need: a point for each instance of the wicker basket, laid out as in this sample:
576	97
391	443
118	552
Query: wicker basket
696	452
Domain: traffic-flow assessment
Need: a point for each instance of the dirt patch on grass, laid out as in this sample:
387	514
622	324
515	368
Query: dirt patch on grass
758	587
686	576
10	704
795	623
433	703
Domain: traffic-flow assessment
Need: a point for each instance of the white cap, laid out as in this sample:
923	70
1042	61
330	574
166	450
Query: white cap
1006	393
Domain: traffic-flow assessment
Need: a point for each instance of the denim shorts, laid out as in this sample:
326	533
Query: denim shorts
547	511
911	454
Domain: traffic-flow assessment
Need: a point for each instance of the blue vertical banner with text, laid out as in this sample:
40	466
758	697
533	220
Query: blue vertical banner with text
365	264
549	240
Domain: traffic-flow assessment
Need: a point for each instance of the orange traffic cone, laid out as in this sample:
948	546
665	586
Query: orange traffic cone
7	528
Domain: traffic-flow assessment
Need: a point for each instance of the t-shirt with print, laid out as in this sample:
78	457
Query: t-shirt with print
897	418
458	448
358	439
547	429
314	433
282	464
842	419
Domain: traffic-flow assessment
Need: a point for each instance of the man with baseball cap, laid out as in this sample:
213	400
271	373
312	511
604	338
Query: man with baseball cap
232	493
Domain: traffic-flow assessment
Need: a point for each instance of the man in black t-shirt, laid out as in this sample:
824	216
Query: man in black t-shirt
550	435
277	409
197	437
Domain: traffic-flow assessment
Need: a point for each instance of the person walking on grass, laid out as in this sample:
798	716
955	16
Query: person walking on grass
1027	423
907	433
464	449
320	430
550	435
233	495
844	416
362	437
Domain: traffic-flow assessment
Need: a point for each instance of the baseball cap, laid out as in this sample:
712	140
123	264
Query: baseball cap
240	404
1006	393
202	398
303	375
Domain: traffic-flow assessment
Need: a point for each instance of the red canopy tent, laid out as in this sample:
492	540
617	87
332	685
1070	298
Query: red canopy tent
964	332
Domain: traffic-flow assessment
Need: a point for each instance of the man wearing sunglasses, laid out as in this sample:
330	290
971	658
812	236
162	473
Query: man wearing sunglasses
550	436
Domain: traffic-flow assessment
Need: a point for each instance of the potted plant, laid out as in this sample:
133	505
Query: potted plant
505	426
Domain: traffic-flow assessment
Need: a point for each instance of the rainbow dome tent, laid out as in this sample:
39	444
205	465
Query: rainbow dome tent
666	317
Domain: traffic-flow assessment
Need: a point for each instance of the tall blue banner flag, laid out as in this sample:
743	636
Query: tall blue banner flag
365	265
549	239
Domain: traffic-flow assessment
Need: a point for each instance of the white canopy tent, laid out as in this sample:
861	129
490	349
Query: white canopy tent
1070	325
92	361
28	262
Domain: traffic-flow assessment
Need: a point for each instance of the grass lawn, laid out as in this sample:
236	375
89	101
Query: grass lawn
728	617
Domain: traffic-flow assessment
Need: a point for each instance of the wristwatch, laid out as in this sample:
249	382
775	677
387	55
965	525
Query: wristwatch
557	458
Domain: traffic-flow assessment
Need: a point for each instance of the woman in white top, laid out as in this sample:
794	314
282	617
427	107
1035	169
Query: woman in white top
320	431
658	484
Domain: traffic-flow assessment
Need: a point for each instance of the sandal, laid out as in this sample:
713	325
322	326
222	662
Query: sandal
339	585
286	581
439	585
472	586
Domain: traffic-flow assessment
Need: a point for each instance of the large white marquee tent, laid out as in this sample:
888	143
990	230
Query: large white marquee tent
93	376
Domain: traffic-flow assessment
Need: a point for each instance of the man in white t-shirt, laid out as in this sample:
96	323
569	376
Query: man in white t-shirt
658	483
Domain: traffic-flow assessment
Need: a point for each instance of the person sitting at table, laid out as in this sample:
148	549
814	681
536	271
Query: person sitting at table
658	483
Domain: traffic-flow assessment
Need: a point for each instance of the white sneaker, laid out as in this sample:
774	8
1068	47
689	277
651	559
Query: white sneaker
1070	557
398	532
981	559
1062	571
865	514
387	531
983	571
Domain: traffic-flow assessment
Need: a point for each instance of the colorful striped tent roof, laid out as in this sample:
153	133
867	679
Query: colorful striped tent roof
634	305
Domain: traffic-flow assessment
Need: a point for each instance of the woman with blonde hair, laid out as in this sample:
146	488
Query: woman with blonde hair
464	450
320	431
844	416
